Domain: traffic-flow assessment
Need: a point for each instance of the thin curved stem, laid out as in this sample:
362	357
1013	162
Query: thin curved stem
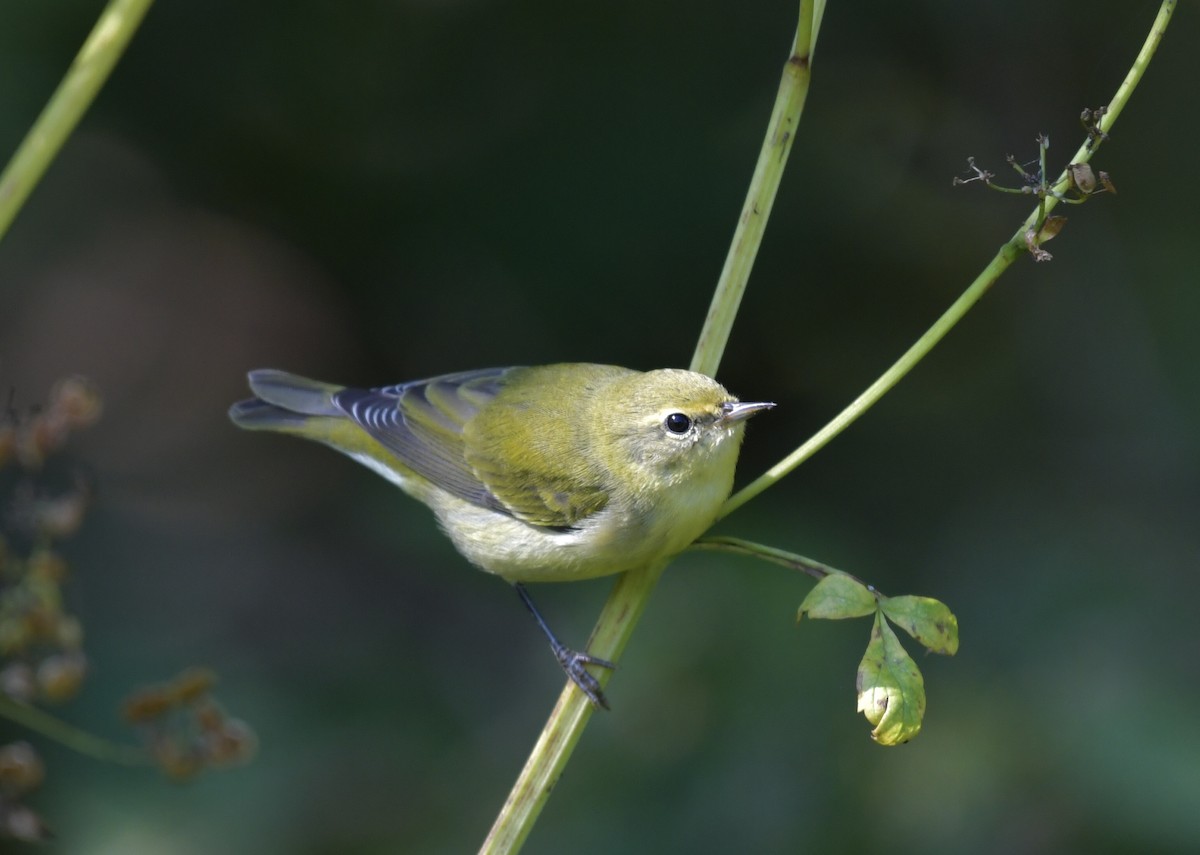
791	560
880	387
70	736
1005	256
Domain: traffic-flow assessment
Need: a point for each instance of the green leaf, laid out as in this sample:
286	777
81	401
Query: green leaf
891	691
927	620
835	597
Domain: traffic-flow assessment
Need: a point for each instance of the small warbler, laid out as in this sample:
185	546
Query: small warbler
545	474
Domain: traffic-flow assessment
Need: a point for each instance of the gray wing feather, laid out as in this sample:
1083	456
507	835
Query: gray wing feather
421	422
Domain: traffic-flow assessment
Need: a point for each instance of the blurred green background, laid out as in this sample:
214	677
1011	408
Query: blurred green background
377	191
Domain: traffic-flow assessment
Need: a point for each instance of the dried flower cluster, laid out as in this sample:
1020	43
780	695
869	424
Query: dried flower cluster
1078	184
43	499
41	645
186	729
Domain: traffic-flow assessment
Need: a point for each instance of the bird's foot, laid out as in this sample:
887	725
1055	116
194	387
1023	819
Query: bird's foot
574	662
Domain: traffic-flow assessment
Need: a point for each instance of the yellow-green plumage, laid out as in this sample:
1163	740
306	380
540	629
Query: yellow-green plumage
551	473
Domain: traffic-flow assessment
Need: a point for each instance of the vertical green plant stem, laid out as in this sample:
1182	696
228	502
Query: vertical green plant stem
632	590
1007	254
781	131
94	62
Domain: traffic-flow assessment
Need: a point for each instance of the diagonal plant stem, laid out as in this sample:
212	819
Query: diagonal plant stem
92	66
1005	256
632	590
72	737
570	715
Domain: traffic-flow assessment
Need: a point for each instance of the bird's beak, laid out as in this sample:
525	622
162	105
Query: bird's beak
738	411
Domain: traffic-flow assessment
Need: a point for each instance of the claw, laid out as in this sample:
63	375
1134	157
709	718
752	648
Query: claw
573	662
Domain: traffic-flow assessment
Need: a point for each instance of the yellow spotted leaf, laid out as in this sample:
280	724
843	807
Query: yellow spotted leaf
891	691
927	620
835	597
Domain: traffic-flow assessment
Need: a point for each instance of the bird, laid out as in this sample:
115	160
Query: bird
548	473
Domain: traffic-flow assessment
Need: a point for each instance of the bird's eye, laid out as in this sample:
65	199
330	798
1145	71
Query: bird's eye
678	423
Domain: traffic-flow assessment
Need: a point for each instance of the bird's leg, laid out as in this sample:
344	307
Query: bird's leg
572	661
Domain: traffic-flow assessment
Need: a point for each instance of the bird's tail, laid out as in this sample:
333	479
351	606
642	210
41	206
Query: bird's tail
286	402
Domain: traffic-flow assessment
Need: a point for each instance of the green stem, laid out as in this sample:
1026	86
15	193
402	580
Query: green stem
760	198
1007	254
70	736
1085	151
632	590
94	62
791	560
569	716
886	381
